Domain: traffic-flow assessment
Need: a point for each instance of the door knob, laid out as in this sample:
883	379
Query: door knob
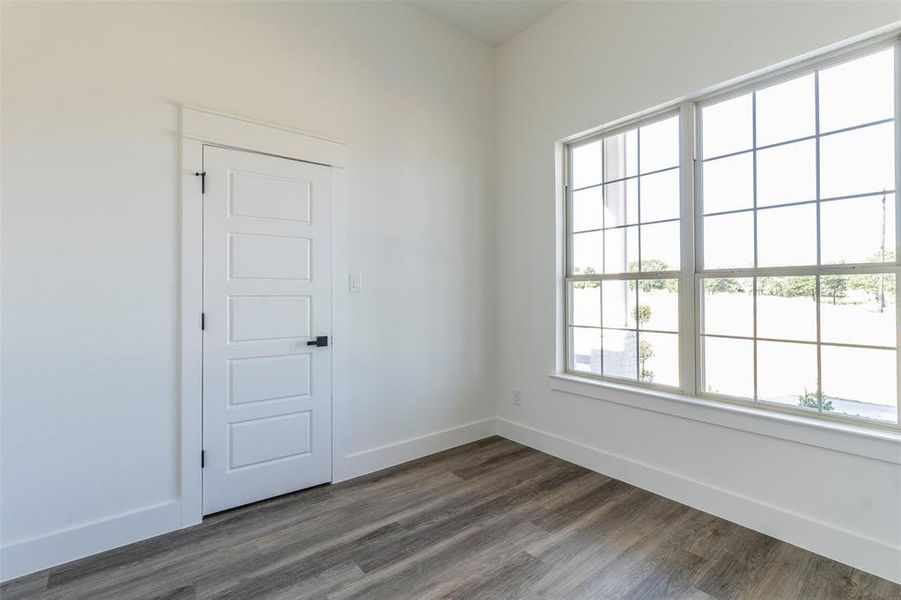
321	341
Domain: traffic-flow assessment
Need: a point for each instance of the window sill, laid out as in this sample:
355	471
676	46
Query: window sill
877	444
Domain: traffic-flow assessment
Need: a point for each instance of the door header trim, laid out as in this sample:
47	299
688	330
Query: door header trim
214	127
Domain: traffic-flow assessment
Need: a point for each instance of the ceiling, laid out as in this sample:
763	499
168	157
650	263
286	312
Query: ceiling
491	21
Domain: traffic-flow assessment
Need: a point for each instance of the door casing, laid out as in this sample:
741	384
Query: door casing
199	127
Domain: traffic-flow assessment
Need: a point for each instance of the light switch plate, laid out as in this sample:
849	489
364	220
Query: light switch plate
356	283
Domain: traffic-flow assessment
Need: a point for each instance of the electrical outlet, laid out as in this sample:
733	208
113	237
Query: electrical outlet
517	398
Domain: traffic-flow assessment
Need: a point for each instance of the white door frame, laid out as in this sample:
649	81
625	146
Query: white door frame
199	127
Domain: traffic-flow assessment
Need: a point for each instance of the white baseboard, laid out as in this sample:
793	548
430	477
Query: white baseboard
368	461
45	551
58	547
862	552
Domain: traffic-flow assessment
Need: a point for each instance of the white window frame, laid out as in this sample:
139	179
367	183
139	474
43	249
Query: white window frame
691	273
630	276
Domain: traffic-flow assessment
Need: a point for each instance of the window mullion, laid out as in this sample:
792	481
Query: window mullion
836	269
696	200
756	263
603	247
567	212
687	300
897	260
568	357
638	227
816	123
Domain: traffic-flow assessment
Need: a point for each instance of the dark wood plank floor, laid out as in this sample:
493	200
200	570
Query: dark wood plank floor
492	519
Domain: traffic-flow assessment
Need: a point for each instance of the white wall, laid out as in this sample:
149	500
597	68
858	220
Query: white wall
89	237
89	244
591	63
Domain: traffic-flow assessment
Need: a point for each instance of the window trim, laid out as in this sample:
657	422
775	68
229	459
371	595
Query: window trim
691	273
840	435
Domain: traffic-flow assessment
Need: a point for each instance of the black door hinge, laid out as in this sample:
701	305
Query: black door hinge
202	459
202	176
202	321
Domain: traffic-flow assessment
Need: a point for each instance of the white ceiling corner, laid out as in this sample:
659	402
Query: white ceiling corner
494	22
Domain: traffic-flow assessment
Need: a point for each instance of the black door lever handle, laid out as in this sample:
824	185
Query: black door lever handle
320	341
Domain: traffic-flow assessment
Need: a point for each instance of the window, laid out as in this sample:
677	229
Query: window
625	255
785	280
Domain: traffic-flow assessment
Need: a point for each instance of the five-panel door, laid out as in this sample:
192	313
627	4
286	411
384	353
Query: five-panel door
266	297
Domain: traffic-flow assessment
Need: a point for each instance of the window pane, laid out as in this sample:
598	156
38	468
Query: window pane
660	247
787	173
728	307
586	350
658	304
787	236
786	111
619	304
586	165
787	373
858	230
729	367
660	196
621	250
860	382
659	145
588	209
658	358
786	308
858	309
620	353
729	183
585	306
729	241
621	155
857	162
621	203
856	92
727	126
586	252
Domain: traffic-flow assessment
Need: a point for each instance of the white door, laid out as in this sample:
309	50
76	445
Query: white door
266	298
